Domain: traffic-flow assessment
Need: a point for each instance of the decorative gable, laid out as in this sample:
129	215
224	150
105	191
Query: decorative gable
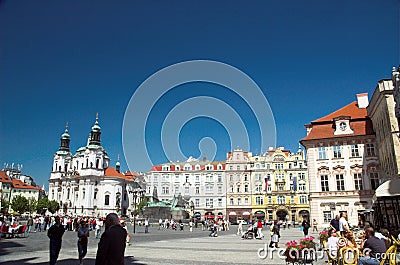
342	125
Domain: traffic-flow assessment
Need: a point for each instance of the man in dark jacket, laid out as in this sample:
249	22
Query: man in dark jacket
55	234
335	223
111	248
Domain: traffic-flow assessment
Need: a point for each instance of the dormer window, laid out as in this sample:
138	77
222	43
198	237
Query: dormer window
342	125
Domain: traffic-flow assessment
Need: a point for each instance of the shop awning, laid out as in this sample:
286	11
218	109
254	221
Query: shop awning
232	213
245	213
197	214
210	216
389	188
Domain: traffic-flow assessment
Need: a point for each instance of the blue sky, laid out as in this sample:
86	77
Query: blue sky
66	60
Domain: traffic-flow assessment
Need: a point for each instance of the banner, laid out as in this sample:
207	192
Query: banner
295	182
266	184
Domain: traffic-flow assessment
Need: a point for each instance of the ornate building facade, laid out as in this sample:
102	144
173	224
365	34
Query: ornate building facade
342	161
201	183
279	181
85	184
238	185
381	110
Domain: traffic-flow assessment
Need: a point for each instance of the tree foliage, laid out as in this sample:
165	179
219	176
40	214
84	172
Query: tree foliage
4	206
54	206
31	207
142	204
45	204
19	204
42	205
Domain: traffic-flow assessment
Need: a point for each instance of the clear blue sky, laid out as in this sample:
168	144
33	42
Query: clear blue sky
66	60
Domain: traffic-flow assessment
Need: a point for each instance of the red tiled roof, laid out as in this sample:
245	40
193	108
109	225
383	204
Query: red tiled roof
323	128
111	172
17	184
352	110
4	178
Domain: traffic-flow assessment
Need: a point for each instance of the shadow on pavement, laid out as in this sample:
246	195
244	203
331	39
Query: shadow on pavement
88	261
8	246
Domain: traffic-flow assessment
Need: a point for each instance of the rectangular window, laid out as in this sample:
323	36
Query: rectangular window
327	217
302	176
374	180
281	199
197	178
230	188
292	199
186	190
246	188
259	200
354	150
176	189
219	178
230	177
231	202
269	200
324	183
197	202
219	202
321	153
165	190
246	201
281	186
209	189
340	182
197	190
238	188
302	187
370	149
239	201
303	199
358	183
269	188
209	203
337	151
219	189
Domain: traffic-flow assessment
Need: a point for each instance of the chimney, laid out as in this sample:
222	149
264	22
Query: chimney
362	100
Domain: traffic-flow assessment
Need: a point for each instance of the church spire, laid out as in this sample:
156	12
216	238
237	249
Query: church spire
95	133
65	140
118	165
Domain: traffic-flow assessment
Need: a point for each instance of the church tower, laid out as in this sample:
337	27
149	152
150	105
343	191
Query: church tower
95	133
65	140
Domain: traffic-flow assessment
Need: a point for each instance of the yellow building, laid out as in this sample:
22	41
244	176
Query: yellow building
279	183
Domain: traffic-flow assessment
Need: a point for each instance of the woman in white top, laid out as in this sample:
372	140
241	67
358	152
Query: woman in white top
332	243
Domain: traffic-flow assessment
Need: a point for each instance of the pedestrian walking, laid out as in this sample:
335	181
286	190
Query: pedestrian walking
315	225
191	226
55	234
29	224
240	228
260	235
306	225
146	225
83	234
111	248
128	236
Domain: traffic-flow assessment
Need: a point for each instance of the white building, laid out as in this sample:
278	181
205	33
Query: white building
200	182
85	184
343	165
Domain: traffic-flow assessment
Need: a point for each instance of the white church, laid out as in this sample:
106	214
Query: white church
84	183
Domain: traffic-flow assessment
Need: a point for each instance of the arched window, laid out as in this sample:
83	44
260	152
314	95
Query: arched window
65	167
83	193
87	162
107	200
97	163
68	190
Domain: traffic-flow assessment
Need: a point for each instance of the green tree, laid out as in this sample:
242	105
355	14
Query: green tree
31	207
53	206
142	204
4	206
19	204
42	205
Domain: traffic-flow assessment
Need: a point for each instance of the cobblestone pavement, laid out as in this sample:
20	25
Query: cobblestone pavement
157	247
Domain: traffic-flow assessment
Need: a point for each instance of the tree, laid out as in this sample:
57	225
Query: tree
42	205
142	204
53	206
4	206
19	204
31	205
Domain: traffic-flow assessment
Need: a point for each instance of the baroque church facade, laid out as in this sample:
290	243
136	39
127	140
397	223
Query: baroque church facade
84	183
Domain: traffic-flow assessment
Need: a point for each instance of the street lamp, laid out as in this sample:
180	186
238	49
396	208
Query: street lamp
192	210
137	193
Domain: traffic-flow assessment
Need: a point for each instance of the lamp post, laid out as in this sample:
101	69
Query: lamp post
136	192
192	210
